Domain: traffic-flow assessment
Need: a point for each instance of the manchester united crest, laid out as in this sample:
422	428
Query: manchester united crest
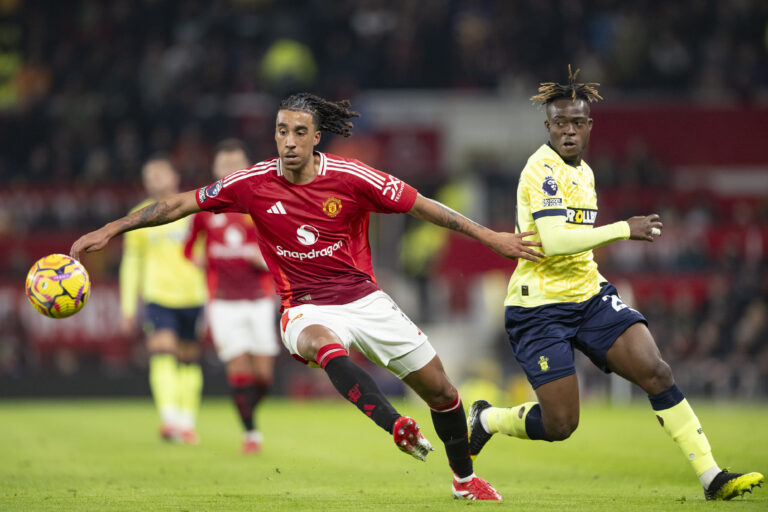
332	206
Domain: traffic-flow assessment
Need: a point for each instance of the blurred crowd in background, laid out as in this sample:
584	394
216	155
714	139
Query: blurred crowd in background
96	86
89	89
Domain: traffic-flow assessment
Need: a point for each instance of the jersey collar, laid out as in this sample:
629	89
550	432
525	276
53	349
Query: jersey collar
320	172
548	145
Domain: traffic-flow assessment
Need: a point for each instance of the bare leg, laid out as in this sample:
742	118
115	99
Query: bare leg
559	402
636	357
553	418
263	367
432	385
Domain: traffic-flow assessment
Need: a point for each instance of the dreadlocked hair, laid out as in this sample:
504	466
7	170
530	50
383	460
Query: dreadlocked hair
551	91
328	116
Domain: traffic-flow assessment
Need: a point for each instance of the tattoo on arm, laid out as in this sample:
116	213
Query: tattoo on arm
151	215
154	214
448	218
451	219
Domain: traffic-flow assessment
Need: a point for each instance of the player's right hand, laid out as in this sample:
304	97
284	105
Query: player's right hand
640	228
90	242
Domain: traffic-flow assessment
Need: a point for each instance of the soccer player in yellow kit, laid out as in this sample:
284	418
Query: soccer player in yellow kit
562	302
173	291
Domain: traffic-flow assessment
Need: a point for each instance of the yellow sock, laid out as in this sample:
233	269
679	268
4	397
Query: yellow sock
190	389
163	381
684	428
510	420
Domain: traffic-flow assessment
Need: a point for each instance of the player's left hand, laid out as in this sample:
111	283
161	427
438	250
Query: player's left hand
645	228
512	246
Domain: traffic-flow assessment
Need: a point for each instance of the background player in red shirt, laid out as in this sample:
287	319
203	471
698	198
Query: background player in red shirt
241	308
311	211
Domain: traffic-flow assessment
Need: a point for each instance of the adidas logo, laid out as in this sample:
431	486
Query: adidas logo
277	208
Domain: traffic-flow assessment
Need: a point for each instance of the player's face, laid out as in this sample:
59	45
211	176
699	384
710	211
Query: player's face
296	137
227	162
160	179
569	125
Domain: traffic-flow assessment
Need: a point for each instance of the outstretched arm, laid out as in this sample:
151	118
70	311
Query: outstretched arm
560	241
509	245
161	212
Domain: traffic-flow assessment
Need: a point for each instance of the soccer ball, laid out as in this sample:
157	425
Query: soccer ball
58	286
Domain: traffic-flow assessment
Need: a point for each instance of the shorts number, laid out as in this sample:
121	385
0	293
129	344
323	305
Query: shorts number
616	302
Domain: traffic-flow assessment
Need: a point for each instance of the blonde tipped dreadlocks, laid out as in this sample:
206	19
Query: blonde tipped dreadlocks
550	91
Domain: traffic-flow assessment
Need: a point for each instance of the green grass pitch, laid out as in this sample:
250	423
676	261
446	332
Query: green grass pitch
105	455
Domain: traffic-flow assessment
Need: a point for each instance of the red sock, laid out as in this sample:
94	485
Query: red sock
244	388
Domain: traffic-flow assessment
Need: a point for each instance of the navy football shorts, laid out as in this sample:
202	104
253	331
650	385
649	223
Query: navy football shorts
543	337
182	321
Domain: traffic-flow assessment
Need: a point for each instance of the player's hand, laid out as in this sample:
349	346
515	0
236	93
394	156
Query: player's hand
128	326
90	242
198	261
642	228
258	261
512	246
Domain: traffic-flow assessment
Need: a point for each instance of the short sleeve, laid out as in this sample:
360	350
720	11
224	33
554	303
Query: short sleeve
222	197
545	194
381	192
195	229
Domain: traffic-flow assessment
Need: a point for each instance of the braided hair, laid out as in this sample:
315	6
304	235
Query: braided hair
551	91
328	116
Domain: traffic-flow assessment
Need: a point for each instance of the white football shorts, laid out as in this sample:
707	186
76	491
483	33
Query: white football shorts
243	327
374	325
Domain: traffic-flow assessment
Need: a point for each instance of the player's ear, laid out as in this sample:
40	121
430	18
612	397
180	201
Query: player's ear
318	134
589	124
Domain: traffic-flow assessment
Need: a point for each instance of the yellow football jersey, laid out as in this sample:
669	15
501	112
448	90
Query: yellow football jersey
549	186
154	268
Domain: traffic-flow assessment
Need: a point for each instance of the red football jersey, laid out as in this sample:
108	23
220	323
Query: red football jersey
314	237
230	247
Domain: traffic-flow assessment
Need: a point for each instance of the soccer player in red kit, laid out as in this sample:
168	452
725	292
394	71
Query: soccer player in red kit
241	307
311	210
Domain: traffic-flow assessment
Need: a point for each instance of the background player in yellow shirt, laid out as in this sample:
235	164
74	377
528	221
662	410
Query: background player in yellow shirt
562	302
172	290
